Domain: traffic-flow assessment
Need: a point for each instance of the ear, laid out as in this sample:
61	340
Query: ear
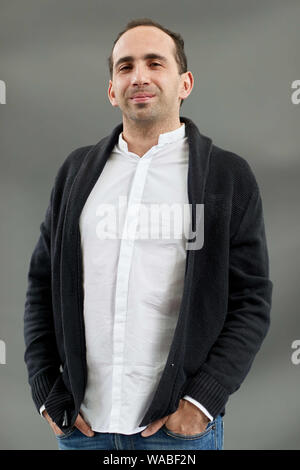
111	94
187	84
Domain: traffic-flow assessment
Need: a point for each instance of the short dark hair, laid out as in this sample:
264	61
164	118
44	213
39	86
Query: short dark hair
180	56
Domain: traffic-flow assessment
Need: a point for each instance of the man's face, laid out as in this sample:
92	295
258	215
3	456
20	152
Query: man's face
154	76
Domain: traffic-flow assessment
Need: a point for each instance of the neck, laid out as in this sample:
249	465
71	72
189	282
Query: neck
141	136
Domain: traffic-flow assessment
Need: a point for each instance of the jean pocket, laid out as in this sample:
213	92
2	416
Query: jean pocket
67	434
209	429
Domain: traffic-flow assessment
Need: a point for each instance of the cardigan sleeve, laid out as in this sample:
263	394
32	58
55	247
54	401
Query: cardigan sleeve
248	315
41	355
44	365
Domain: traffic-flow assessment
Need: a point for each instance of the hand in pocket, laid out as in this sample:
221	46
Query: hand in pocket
79	424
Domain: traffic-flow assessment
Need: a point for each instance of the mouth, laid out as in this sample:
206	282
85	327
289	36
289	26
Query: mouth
141	98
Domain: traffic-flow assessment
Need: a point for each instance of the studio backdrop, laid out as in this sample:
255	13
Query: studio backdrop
244	56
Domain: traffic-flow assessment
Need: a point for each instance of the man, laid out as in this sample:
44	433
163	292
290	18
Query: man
137	343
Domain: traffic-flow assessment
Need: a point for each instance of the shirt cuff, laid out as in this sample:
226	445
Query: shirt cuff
201	407
42	408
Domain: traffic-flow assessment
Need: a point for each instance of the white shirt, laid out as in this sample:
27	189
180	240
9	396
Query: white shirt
132	285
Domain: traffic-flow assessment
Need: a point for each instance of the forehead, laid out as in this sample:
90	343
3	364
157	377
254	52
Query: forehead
142	39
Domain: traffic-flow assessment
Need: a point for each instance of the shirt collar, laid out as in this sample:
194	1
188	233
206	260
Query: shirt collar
163	139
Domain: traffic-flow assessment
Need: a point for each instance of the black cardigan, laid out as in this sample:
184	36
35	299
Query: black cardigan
225	309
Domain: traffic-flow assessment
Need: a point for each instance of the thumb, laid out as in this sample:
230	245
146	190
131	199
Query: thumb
154	427
83	426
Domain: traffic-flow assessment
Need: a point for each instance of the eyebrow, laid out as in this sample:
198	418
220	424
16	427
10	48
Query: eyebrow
151	55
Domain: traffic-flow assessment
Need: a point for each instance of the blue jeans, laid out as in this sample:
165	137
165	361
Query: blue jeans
164	439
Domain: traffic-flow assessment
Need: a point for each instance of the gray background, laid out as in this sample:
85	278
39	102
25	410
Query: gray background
244	56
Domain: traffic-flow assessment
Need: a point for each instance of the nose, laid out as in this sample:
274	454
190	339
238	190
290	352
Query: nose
140	75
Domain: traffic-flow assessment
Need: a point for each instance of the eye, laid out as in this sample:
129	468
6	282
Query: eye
127	67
